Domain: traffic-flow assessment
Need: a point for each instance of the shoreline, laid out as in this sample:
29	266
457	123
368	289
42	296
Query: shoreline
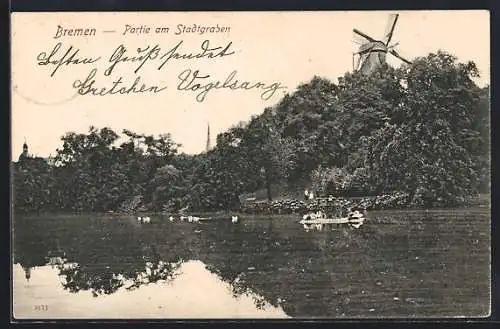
480	203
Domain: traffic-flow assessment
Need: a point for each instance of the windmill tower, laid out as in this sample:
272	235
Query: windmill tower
207	148
372	53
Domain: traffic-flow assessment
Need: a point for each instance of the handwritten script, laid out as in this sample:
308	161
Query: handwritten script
103	80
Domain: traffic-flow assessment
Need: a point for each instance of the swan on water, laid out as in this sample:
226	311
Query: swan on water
183	218
147	219
234	219
171	218
139	219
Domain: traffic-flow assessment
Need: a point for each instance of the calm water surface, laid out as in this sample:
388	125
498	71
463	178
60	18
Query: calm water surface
398	264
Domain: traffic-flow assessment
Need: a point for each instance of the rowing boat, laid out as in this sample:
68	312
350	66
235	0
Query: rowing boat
355	221
338	220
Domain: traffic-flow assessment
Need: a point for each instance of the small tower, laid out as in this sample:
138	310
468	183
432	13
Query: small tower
208	138
24	155
25	147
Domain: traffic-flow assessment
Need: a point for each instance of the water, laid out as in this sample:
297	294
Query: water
398	264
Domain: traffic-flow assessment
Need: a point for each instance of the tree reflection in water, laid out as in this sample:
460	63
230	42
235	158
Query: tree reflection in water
265	260
99	281
344	272
101	257
268	261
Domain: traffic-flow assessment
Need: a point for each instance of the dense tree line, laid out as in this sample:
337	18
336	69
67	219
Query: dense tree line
421	129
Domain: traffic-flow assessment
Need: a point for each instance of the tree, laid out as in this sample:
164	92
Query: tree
168	188
428	151
32	184
306	123
266	148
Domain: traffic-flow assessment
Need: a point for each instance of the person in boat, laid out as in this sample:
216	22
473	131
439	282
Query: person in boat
347	213
355	214
306	195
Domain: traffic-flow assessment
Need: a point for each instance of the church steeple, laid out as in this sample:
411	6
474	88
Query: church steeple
208	138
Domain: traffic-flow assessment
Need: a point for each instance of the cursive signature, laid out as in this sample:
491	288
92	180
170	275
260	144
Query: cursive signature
196	82
68	58
118	86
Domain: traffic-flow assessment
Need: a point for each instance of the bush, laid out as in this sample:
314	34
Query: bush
331	181
332	206
361	183
338	182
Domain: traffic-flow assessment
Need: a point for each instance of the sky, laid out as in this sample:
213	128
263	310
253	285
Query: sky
286	47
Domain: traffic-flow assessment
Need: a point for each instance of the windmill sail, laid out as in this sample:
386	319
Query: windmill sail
372	53
389	30
395	54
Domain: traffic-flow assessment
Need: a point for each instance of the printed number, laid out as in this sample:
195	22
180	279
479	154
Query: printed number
41	307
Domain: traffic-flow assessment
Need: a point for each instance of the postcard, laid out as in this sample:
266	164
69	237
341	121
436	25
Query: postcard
182	165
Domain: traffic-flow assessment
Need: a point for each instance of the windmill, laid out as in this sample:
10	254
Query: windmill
372	53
